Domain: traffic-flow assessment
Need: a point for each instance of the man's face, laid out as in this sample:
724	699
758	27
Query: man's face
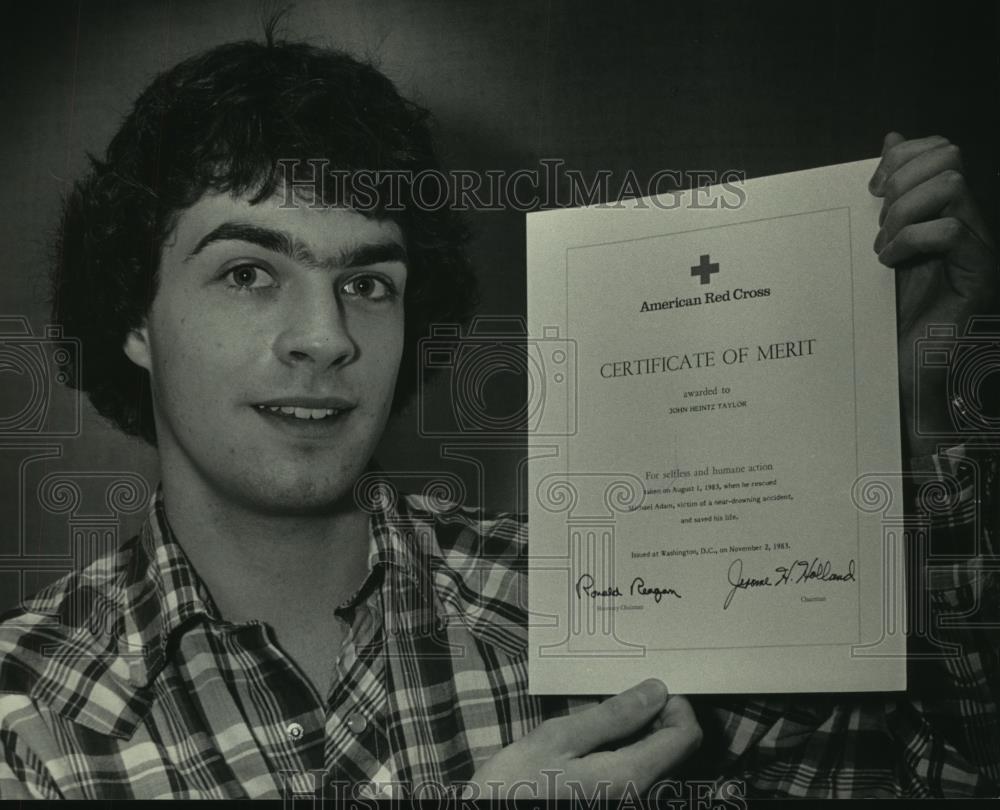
273	345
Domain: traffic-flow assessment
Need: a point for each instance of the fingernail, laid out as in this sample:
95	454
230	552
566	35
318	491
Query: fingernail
875	184
879	241
653	690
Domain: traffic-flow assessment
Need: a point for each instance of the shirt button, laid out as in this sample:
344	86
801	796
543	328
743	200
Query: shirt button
294	731
357	723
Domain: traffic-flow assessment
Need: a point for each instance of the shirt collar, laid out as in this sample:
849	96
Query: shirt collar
154	591
394	539
162	594
165	591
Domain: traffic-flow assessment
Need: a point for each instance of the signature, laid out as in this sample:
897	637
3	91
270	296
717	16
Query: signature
797	572
585	586
639	587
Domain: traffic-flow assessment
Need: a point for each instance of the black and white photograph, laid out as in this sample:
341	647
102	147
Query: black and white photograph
496	401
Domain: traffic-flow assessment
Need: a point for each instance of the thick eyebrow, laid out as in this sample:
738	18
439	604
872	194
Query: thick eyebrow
276	241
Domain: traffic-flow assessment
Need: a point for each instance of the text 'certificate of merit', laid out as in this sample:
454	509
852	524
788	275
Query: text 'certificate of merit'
720	431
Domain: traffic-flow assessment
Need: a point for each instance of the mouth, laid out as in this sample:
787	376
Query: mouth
306	417
301	414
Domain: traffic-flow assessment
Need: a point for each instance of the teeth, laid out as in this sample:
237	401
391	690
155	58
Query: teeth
300	413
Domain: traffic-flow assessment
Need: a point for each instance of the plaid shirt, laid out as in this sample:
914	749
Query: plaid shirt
122	681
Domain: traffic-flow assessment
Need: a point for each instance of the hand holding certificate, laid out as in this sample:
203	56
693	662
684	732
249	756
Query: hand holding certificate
708	510
702	519
932	231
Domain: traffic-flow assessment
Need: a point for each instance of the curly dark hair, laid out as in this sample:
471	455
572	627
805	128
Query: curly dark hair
221	121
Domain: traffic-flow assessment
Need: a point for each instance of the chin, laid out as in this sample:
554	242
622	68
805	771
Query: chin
302	498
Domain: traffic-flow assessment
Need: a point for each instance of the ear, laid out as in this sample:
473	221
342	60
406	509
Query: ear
137	348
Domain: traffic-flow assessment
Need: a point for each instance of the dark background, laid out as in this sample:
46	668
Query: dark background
758	87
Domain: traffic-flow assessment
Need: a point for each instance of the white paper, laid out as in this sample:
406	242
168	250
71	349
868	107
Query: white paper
701	448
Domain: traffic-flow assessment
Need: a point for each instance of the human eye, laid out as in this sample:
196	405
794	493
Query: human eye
370	287
248	277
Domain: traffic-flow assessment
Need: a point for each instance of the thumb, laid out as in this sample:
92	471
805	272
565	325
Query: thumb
877	183
890	140
615	718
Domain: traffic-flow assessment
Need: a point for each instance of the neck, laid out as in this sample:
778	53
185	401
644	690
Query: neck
265	566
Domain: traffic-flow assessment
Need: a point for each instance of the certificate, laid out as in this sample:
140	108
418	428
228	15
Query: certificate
720	408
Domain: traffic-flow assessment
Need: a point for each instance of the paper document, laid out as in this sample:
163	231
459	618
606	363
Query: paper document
725	411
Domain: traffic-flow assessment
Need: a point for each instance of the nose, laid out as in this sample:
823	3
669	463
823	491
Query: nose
315	331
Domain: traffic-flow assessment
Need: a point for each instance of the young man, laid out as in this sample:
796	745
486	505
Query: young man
286	620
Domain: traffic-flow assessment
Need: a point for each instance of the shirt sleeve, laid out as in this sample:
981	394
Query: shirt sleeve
23	765
10	786
939	738
19	779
